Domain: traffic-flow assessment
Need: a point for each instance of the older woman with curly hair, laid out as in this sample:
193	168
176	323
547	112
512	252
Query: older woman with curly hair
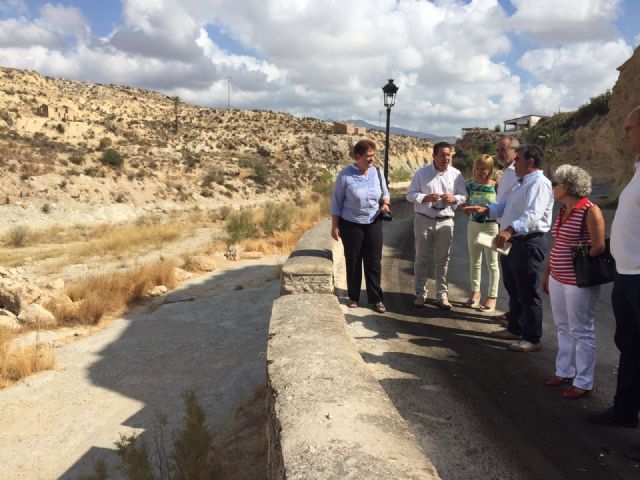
572	306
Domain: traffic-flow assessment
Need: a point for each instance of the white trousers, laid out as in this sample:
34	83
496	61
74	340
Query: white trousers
572	309
433	240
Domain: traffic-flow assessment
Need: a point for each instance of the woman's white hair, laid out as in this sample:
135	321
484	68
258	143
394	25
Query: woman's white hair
575	180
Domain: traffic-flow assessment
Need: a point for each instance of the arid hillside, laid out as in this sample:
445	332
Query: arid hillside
71	148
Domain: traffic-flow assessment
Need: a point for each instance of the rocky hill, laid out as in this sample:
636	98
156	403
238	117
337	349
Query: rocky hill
599	145
106	152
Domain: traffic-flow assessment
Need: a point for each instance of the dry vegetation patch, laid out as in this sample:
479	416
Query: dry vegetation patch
110	293
17	363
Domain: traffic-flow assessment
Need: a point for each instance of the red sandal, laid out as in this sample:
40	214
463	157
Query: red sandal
556	381
574	393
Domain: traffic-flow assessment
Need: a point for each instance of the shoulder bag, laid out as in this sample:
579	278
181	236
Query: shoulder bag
591	271
385	216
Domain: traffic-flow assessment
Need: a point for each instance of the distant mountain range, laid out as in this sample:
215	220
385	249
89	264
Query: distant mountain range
402	131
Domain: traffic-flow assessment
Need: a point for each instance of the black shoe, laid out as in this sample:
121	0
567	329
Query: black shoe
633	453
609	417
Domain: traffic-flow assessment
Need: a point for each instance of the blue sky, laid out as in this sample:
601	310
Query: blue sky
458	63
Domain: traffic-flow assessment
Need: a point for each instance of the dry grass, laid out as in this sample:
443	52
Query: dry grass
20	363
110	293
78	243
304	218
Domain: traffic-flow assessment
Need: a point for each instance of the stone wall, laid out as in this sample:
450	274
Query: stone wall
329	418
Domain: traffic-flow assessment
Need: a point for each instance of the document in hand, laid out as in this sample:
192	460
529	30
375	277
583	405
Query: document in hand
486	240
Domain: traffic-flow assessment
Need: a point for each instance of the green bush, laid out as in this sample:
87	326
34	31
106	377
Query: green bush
277	218
323	184
240	226
104	143
112	158
401	175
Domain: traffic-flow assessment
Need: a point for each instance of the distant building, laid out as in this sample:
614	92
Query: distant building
473	129
62	112
521	123
348	129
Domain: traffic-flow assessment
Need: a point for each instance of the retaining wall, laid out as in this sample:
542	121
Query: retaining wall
329	418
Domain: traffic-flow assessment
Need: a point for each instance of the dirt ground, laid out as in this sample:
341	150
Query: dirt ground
209	335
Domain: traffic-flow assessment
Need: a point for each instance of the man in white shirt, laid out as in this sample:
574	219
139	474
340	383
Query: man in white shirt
625	298
506	154
435	191
525	218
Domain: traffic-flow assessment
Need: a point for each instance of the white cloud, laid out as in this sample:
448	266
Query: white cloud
23	33
330	59
576	72
551	21
63	20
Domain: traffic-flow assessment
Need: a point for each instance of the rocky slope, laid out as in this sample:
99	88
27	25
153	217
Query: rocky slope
54	133
599	145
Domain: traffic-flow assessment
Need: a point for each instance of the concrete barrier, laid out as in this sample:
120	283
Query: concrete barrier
310	265
329	418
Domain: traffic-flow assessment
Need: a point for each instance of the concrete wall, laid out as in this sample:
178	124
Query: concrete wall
329	418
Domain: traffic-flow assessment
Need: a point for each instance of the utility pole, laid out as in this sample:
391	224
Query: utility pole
228	78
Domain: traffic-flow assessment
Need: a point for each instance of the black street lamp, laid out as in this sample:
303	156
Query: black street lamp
389	91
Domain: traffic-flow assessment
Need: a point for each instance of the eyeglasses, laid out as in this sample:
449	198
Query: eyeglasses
628	128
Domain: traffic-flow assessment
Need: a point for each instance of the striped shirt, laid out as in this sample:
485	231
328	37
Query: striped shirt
566	235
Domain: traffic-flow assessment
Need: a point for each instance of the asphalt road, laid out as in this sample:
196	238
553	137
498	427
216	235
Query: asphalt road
479	410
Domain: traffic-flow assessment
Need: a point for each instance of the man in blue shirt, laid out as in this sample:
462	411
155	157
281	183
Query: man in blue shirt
526	217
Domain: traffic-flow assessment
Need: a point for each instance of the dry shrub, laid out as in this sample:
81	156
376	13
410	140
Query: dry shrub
240	450
110	293
20	363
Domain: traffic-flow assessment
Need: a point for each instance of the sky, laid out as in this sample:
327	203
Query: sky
457	63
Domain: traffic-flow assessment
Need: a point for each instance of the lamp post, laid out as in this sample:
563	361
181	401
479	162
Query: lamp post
389	91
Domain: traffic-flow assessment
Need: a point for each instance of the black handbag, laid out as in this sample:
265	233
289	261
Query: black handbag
387	217
592	271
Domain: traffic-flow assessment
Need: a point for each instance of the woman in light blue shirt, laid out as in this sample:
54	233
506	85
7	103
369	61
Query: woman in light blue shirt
360	196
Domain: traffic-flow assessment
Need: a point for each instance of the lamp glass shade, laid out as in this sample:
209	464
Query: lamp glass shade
389	91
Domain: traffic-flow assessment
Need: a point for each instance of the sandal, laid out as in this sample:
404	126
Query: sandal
352	304
471	303
556	381
380	308
502	319
574	393
488	308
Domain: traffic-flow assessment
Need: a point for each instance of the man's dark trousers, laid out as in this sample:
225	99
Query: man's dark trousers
523	270
625	299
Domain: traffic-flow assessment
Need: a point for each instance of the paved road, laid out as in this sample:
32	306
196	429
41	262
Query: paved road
481	411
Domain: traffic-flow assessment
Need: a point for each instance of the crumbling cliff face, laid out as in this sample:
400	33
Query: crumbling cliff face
599	146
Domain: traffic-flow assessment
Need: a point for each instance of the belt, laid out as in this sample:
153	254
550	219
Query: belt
524	238
484	221
437	219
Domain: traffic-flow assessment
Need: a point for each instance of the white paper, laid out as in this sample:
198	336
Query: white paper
486	240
